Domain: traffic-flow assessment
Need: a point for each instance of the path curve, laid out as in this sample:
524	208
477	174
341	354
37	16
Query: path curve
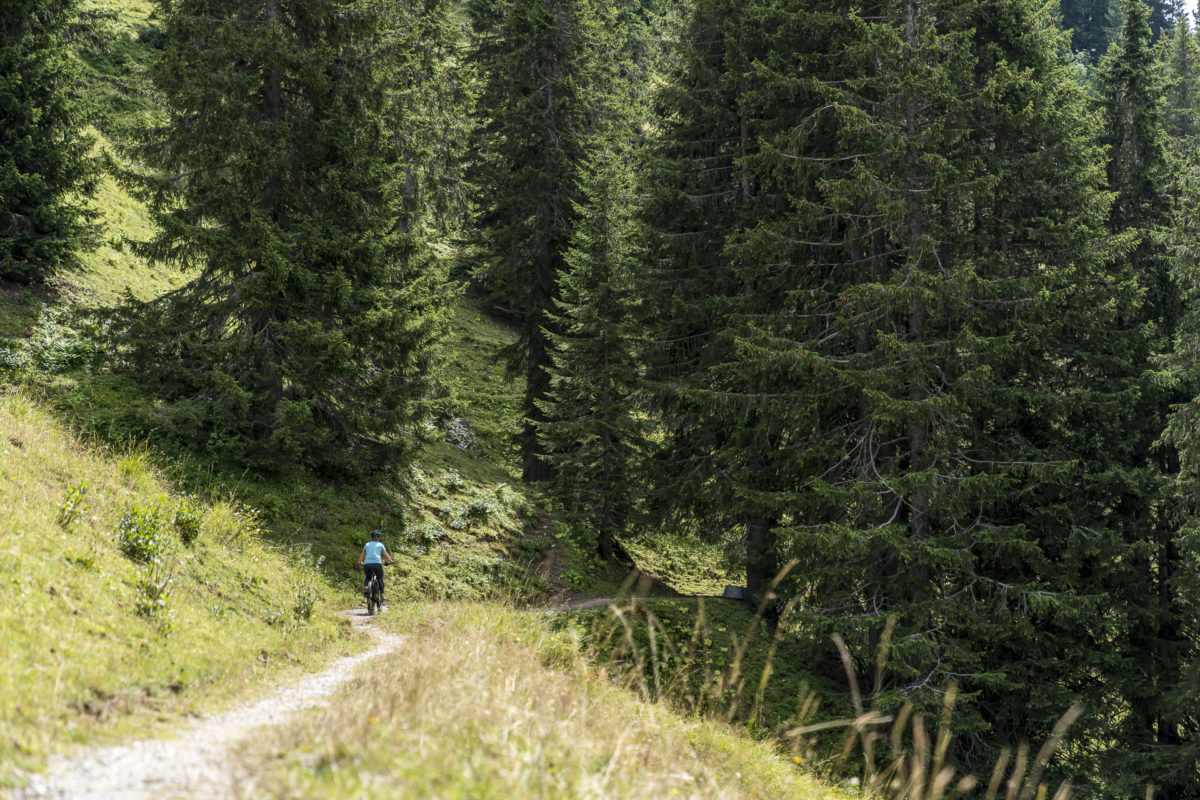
578	605
197	762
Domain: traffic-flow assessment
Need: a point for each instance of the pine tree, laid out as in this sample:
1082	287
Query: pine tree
1173	765
592	433
1145	498
292	176
1091	23
1095	24
700	197
45	171
1183	82
545	79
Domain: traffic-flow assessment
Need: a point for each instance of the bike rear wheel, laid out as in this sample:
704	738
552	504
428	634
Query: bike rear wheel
372	595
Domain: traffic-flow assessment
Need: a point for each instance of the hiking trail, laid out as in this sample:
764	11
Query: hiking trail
198	761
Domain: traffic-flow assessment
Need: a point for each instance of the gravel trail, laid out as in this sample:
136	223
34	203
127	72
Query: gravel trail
578	605
197	763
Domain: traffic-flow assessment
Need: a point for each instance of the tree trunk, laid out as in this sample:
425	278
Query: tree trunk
762	562
534	468
918	429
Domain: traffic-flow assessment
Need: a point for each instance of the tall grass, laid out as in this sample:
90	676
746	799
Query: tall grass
892	751
483	700
919	767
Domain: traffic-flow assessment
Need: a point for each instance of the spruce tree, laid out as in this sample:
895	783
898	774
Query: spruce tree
292	178
1096	24
700	197
1173	766
1145	498
593	433
1183	82
1091	23
546	70
45	171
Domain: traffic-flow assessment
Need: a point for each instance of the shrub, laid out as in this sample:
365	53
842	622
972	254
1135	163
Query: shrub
188	518
533	548
13	357
72	507
455	514
427	533
451	480
482	508
152	584
56	348
140	534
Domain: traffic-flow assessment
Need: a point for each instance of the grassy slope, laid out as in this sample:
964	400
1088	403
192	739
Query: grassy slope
79	663
484	701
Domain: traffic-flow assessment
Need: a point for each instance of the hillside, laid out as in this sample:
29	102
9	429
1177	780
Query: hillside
99	641
486	701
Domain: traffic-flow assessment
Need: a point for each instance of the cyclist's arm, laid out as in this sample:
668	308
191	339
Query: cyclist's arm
388	556
362	556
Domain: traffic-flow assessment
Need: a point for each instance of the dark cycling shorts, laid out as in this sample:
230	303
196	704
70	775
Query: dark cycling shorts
373	568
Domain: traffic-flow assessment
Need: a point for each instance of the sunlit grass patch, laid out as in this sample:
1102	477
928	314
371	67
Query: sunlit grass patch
485	701
96	642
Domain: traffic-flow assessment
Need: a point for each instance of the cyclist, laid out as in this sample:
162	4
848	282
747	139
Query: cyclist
371	560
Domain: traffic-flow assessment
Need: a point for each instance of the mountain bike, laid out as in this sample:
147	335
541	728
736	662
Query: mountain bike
374	596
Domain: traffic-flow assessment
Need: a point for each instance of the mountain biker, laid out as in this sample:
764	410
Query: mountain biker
371	560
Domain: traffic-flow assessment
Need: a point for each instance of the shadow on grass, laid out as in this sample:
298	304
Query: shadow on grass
21	305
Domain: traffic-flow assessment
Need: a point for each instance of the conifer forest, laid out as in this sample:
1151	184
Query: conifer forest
896	301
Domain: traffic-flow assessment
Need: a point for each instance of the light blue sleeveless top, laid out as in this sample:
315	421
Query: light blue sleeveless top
374	551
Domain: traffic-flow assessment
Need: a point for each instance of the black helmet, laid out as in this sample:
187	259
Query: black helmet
376	534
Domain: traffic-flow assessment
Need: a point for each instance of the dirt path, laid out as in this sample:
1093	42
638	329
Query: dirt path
578	604
196	764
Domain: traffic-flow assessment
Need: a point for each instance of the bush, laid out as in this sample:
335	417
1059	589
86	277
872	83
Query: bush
427	533
188	518
532	548
140	534
72	507
482	508
451	480
152	584
13	357
305	593
455	515
56	348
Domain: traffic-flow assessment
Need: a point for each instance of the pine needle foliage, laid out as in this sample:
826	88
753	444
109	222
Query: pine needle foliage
700	195
1182	67
293	176
893	344
546	71
46	172
1147	501
593	432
